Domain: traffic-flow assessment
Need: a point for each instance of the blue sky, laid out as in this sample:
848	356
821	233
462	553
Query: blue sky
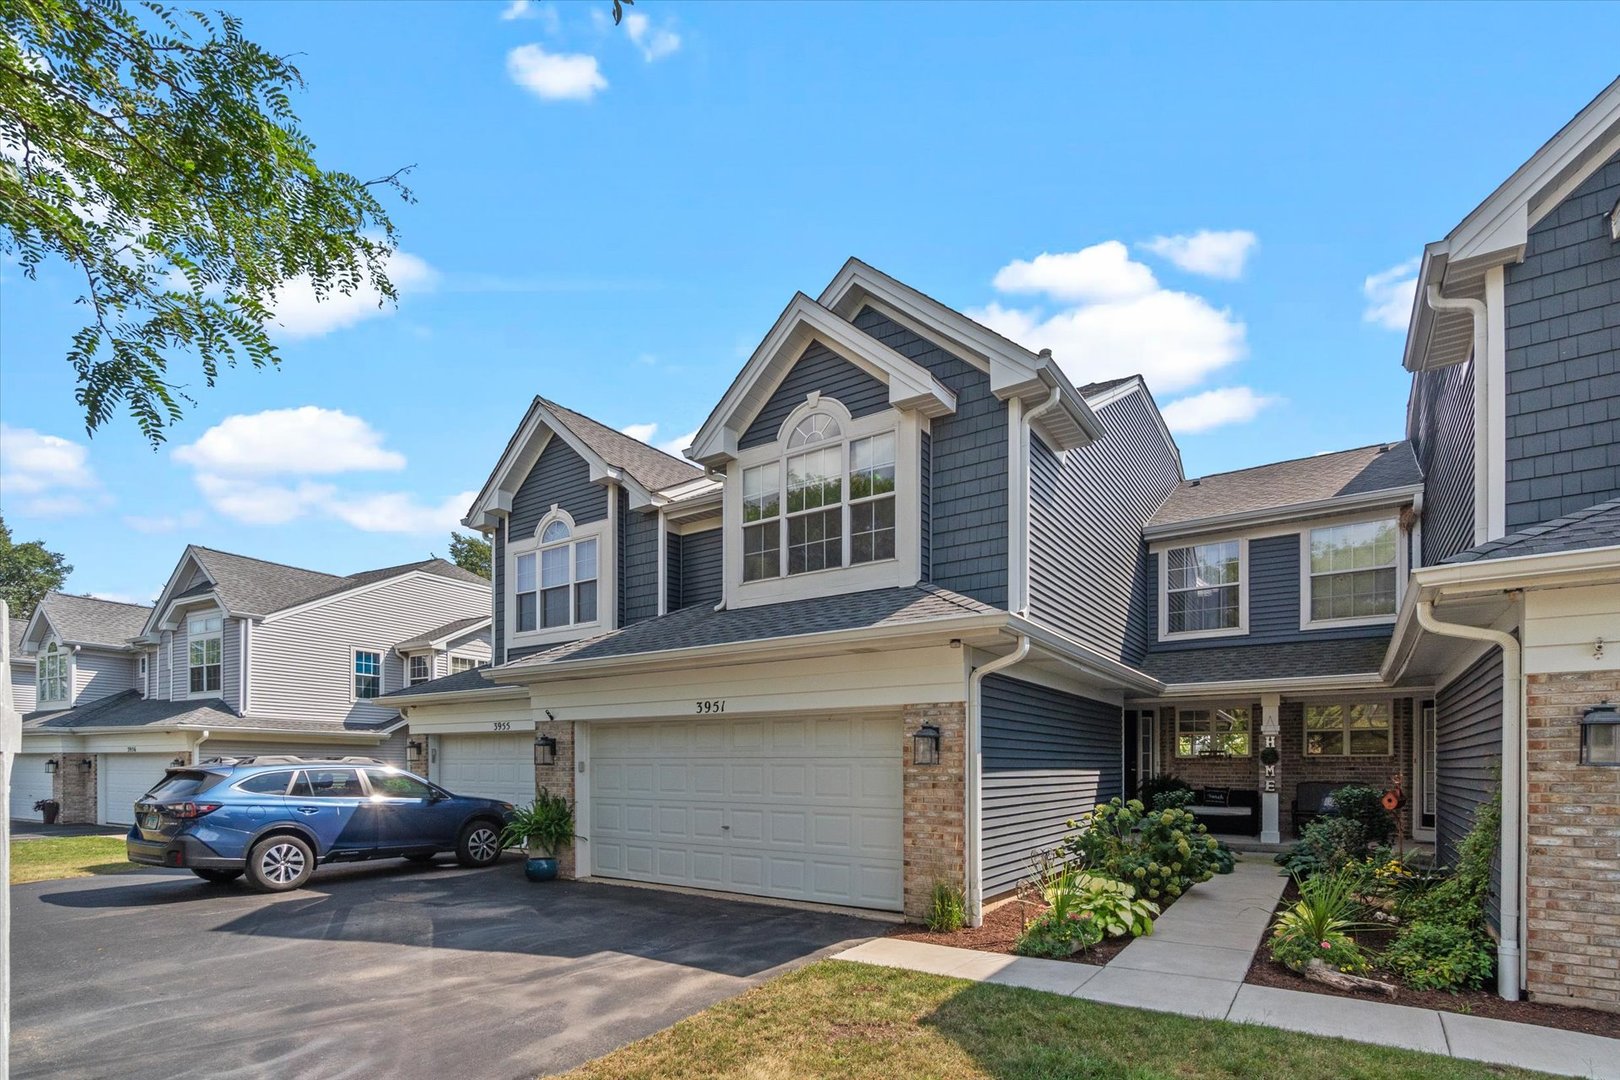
613	217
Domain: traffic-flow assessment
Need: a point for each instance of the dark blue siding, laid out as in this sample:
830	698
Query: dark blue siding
560	477
672	571
1468	755
1085	520
1442	432
701	568
1049	756
927	531
638	580
1563	359
818	369
969	452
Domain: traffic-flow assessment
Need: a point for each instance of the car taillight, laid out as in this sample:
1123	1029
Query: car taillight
186	811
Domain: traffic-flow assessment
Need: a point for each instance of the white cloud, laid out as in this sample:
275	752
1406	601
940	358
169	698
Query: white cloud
299	313
640	432
46	475
1389	295
1208	252
555	76
1100	272
163	523
1215	408
648	432
655	43
1121	320
528	9
400	512
301	441
257	502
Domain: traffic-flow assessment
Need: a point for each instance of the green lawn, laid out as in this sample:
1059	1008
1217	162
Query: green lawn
838	1019
47	857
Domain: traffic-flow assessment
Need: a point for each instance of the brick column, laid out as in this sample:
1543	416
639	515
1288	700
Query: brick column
416	761
74	786
933	841
1572	902
559	778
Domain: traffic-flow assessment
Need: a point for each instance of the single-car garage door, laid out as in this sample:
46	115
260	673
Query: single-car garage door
124	779
803	808
29	784
494	766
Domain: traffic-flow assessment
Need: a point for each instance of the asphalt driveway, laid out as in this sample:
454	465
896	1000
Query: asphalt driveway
382	970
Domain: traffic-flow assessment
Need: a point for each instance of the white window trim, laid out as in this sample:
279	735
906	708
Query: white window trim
426	658
64	653
903	570
1402	543
606	565
1210	706
1163	553
382	671
471	660
203	695
1305	732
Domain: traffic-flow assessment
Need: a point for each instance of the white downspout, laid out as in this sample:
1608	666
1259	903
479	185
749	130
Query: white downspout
1509	957
1027	432
1482	435
973	797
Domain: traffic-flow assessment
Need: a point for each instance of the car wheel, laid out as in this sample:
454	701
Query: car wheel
218	877
280	863
420	858
480	844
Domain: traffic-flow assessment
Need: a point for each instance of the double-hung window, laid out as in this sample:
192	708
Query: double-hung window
420	670
1361	729
1353	571
839	507
1212	732
367	674
1203	588
458	664
556	585
205	641
52	677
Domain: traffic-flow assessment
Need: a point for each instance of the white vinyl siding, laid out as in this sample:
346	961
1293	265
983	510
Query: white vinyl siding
102	674
22	687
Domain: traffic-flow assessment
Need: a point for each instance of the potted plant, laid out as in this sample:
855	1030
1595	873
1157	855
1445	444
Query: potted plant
541	829
50	808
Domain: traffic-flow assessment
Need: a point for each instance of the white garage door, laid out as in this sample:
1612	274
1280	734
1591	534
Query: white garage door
494	766
805	809
29	784
124	779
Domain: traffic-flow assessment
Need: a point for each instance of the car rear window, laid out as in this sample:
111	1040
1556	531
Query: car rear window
270	783
183	785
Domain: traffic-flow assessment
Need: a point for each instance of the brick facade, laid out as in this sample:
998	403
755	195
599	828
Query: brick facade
1572	902
934	842
74	786
559	778
1294	768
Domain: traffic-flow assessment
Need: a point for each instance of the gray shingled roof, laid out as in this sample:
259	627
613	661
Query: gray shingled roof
1288	483
1280	660
89	621
130	710
421	641
1595	527
471	679
651	468
697	627
257	587
15	632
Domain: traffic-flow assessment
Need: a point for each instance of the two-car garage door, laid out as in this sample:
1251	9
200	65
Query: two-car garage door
801	808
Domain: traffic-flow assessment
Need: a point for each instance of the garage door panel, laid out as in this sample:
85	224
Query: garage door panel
488	766
803	808
30	783
124	779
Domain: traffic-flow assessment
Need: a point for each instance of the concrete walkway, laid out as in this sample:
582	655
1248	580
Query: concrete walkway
1195	962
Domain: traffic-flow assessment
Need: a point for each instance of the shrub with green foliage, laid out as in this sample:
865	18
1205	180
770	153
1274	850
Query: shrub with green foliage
1149	790
1114	906
1441	956
1066	926
1444	944
1365	806
1222	861
947	909
1319	924
1162	853
1325	846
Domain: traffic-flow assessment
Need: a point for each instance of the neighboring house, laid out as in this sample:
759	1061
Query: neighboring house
22	669
921	601
239	656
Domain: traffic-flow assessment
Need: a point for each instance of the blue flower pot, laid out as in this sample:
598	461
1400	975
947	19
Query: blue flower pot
539	869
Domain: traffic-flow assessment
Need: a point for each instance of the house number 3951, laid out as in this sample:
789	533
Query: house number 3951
711	706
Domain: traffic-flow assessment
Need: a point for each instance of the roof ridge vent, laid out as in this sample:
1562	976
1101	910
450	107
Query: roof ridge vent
1195	481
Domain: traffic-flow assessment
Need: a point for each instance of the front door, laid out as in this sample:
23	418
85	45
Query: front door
1423	772
1141	748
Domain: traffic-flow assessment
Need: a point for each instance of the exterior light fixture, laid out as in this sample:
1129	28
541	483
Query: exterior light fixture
925	746
1600	736
178	763
51	765
414	746
545	750
1614	221
87	764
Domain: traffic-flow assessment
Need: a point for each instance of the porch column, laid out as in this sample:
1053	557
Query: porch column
1270	705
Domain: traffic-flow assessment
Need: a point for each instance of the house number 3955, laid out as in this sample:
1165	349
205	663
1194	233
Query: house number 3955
711	707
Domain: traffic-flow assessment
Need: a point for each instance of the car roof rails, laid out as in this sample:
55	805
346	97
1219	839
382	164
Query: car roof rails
290	759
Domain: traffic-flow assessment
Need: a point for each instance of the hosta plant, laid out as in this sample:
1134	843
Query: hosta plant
1114	905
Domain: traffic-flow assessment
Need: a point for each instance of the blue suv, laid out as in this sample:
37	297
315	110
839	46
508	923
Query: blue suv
275	818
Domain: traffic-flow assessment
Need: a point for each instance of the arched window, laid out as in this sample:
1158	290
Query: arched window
838	508
52	676
556	584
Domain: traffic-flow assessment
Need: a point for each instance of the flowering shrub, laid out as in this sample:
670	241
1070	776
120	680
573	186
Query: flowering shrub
1162	853
1318	926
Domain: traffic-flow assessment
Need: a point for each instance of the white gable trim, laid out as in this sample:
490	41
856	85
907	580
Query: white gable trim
188	558
802	322
1135	385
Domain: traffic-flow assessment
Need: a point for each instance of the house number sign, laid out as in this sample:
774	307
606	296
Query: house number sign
711	706
501	725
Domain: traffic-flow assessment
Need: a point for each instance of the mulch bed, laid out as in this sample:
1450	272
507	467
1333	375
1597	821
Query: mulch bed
1002	926
1263	971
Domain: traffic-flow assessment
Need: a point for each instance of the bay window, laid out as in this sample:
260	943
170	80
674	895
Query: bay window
204	649
1353	571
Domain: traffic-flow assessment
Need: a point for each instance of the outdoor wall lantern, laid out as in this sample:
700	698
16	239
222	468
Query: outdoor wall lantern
51	765
87	764
178	763
545	750
925	746
1600	735
414	746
